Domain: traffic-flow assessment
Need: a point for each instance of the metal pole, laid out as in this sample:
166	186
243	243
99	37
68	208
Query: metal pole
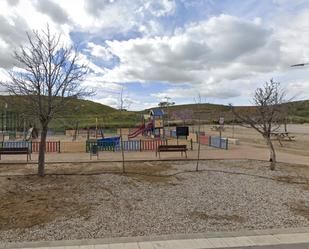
24	129
167	114
233	126
96	127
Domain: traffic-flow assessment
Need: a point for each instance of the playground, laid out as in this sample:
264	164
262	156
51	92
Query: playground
236	143
89	196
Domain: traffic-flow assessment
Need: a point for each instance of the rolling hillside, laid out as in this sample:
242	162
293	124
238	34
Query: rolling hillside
84	113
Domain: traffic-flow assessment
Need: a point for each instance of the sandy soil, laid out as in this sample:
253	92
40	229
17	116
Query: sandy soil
253	139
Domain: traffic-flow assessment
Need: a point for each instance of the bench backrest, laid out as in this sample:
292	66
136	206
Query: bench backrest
172	146
21	149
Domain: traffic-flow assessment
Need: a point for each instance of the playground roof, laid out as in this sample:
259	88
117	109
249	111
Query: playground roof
157	112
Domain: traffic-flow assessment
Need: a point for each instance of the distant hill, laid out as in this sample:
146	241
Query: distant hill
210	113
86	112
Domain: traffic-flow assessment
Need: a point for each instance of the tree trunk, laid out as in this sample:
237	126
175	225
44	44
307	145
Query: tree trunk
41	165
272	151
285	124
199	145
122	152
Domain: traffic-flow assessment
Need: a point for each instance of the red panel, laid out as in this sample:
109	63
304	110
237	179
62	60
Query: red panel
204	140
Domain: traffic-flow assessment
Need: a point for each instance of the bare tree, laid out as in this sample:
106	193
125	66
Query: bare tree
49	78
163	104
266	116
198	102
124	104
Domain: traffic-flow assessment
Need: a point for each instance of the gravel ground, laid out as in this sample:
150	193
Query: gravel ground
227	195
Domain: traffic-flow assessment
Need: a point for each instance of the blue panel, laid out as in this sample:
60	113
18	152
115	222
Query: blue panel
219	143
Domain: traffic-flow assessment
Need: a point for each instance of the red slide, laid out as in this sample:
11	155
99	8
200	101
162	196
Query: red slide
140	130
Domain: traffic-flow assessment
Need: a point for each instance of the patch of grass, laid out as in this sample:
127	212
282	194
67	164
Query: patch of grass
290	179
150	172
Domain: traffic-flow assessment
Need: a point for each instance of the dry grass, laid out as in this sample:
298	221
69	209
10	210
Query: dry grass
23	207
218	217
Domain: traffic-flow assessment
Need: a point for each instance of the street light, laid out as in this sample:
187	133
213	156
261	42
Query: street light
300	65
167	115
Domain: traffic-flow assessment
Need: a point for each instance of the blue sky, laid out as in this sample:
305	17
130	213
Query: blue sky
219	49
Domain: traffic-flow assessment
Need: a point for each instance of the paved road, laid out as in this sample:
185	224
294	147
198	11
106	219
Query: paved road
287	246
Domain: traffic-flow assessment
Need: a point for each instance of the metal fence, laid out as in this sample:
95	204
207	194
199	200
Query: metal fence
214	141
131	145
51	146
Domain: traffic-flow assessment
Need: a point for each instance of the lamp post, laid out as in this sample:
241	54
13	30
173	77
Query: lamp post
300	65
167	114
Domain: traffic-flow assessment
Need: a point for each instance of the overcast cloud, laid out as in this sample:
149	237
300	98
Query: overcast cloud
175	48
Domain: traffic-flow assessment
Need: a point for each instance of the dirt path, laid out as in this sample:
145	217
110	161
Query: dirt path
243	151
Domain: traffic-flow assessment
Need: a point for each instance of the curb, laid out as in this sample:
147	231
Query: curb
142	160
132	160
37	244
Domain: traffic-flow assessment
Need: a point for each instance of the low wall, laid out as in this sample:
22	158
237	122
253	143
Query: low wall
125	131
234	141
180	142
70	146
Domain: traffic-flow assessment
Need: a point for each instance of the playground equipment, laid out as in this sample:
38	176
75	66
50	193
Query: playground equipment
109	143
32	133
156	116
141	130
152	124
29	134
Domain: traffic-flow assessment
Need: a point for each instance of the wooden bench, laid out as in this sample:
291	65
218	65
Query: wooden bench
16	151
172	148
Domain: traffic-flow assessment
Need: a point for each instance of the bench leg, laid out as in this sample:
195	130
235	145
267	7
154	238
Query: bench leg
186	154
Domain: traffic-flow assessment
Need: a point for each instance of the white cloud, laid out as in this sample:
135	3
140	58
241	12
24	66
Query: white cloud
161	8
83	59
4	76
97	50
204	54
109	100
293	33
220	57
14	24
